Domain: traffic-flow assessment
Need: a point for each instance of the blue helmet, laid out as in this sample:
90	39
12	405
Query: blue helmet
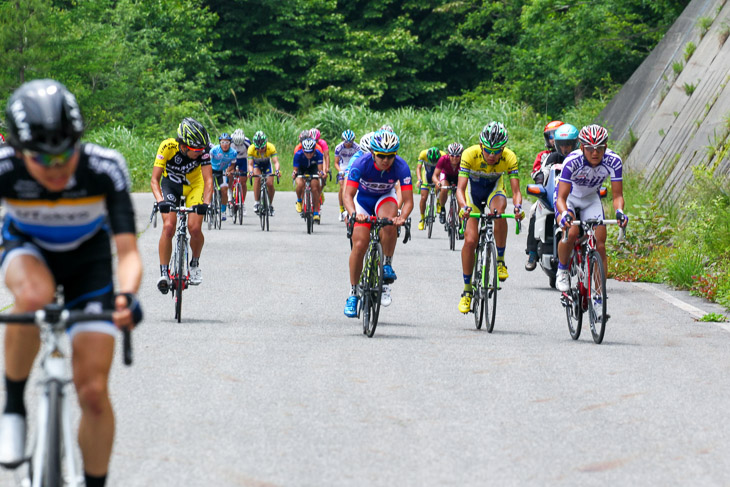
385	142
225	136
566	139
348	135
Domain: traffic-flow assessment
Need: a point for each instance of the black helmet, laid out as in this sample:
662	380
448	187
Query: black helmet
43	116
193	134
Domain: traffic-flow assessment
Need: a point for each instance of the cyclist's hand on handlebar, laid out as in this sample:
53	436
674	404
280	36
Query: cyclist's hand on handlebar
201	209
293	174
278	173
127	311
360	218
464	212
519	214
399	221
566	219
164	206
623	220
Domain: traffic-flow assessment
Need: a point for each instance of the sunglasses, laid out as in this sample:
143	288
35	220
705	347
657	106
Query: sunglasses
192	149
383	155
492	152
595	148
50	160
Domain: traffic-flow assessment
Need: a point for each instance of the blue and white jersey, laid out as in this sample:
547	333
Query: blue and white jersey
243	150
97	196
345	153
357	155
220	160
586	179
301	161
370	180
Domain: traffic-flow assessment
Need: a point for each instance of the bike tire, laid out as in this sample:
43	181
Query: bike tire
596	291
209	216
218	211
180	280
491	280
478	297
309	212
267	208
52	463
239	203
451	223
574	309
430	213
374	288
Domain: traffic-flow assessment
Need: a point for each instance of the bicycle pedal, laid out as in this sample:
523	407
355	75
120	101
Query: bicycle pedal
388	281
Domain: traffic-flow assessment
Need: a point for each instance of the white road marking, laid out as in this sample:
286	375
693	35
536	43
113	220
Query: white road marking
694	311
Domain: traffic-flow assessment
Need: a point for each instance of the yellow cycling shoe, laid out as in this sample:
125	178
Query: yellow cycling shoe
465	302
438	207
298	206
502	271
421	224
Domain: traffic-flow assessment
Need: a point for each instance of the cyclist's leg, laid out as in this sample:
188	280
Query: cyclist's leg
256	184
387	207
498	201
194	196
170	192
270	186
299	188
364	205
316	190
592	209
565	248
471	233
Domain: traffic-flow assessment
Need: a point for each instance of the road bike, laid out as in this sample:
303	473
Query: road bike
430	208
237	202
264	208
179	271
54	462
452	217
587	293
485	280
370	286
307	201
214	216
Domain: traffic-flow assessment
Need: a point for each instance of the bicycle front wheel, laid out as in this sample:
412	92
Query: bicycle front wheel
491	283
478	295
179	278
218	211
572	303
451	225
430	213
596	296
52	475
309	211
373	289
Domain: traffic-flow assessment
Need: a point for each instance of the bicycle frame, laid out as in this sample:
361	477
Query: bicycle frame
308	200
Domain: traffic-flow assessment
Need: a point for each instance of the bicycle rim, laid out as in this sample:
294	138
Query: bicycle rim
52	475
239	203
265	211
430	214
180	281
218	211
374	288
477	300
491	281
573	308
596	296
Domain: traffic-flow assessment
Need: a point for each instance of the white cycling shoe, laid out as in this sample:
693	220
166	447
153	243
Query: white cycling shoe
385	297
562	280
12	440
163	284
196	276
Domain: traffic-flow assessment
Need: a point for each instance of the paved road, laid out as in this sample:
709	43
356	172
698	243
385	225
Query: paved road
266	383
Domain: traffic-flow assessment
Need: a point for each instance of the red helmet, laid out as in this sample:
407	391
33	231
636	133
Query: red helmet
593	135
2	139
549	132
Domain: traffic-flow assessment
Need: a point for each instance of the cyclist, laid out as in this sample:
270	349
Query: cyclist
315	134
260	156
478	191
564	140
240	144
549	134
183	168
427	160
2	139
221	157
304	134
343	153
308	161
578	191
447	169
370	191
79	195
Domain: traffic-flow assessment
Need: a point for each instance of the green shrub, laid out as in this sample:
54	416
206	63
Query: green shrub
704	24
689	88
683	265
689	49
678	66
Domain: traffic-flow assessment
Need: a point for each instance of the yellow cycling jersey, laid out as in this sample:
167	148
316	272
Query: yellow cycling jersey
474	167
253	152
178	167
423	158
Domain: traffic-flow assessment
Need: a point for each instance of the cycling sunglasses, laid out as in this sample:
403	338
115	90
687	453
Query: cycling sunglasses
492	152
595	148
383	155
193	149
50	160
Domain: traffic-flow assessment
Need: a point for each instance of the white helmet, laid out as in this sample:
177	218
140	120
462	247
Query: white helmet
238	137
365	141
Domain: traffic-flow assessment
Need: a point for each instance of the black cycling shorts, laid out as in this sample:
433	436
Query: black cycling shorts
312	170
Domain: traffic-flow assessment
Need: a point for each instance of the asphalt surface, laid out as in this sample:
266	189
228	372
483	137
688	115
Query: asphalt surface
267	383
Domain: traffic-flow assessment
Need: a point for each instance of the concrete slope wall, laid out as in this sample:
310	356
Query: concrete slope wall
678	121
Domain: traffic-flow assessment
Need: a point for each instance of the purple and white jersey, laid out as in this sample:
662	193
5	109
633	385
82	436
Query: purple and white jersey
586	179
345	153
372	181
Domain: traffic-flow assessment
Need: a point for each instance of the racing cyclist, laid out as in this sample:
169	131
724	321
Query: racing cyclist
447	174
484	167
310	161
240	144
221	157
63	201
182	168
343	152
427	160
578	191
260	156
370	191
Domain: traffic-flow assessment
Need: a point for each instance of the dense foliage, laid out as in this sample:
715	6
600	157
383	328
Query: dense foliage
144	64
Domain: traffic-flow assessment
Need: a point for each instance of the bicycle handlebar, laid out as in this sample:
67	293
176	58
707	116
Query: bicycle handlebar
593	223
55	316
261	176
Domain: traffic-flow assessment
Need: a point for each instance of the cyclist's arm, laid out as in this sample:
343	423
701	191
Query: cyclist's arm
516	193
207	171
337	163
155	183
348	196
407	195
461	190
561	201
617	190
436	175
275	160
418	171
129	274
250	164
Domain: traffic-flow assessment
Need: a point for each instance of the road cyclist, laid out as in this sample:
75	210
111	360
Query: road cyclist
182	168
446	173
370	191
240	143
427	161
343	153
308	161
261	155
222	156
79	194
484	168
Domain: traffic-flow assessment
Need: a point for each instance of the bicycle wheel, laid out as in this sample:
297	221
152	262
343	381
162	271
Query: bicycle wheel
373	289
430	213
310	212
596	296
239	203
451	225
572	303
210	214
52	475
478	297
180	278
218	211
267	208
491	282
